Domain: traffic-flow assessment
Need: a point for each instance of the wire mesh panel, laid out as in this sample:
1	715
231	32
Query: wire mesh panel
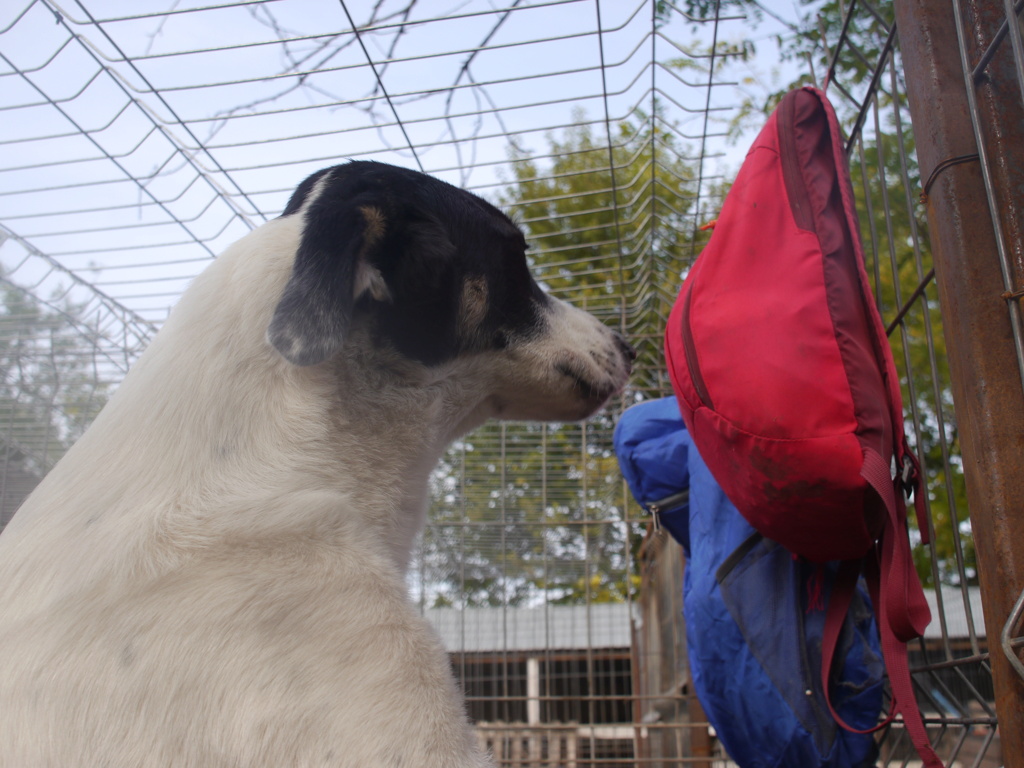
138	141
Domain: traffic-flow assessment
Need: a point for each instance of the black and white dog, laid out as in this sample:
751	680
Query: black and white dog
214	575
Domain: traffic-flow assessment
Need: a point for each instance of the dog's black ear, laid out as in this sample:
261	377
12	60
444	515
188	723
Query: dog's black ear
334	267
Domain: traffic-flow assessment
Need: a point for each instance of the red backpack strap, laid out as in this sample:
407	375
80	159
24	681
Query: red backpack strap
900	604
906	609
843	590
894	651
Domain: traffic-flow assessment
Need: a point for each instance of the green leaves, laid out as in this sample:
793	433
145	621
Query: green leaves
49	392
520	514
610	216
523	513
612	210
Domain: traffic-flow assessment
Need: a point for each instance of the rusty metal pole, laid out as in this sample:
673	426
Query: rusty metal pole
973	282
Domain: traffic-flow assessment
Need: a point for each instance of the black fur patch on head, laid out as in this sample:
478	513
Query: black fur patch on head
371	222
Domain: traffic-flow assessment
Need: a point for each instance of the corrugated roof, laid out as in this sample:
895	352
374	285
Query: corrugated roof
549	627
607	625
958	618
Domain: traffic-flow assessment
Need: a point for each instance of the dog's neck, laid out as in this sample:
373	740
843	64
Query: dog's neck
333	452
392	421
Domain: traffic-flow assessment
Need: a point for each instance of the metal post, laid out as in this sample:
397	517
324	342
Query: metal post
978	268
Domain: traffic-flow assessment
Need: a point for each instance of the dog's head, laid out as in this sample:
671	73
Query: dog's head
437	274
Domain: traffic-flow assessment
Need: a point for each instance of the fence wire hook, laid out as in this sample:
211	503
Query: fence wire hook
1010	643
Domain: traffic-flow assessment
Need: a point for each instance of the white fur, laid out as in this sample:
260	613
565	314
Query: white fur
214	575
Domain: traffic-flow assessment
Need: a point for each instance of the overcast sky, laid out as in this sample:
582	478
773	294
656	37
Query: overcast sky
138	139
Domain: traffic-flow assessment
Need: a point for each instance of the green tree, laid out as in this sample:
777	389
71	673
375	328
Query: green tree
895	231
538	511
611	221
49	387
532	515
612	213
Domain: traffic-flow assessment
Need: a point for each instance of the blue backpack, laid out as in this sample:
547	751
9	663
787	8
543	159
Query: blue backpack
754	614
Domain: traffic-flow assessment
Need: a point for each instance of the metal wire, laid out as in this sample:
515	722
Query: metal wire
134	147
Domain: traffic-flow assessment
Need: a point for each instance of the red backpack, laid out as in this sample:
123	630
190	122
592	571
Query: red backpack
786	382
